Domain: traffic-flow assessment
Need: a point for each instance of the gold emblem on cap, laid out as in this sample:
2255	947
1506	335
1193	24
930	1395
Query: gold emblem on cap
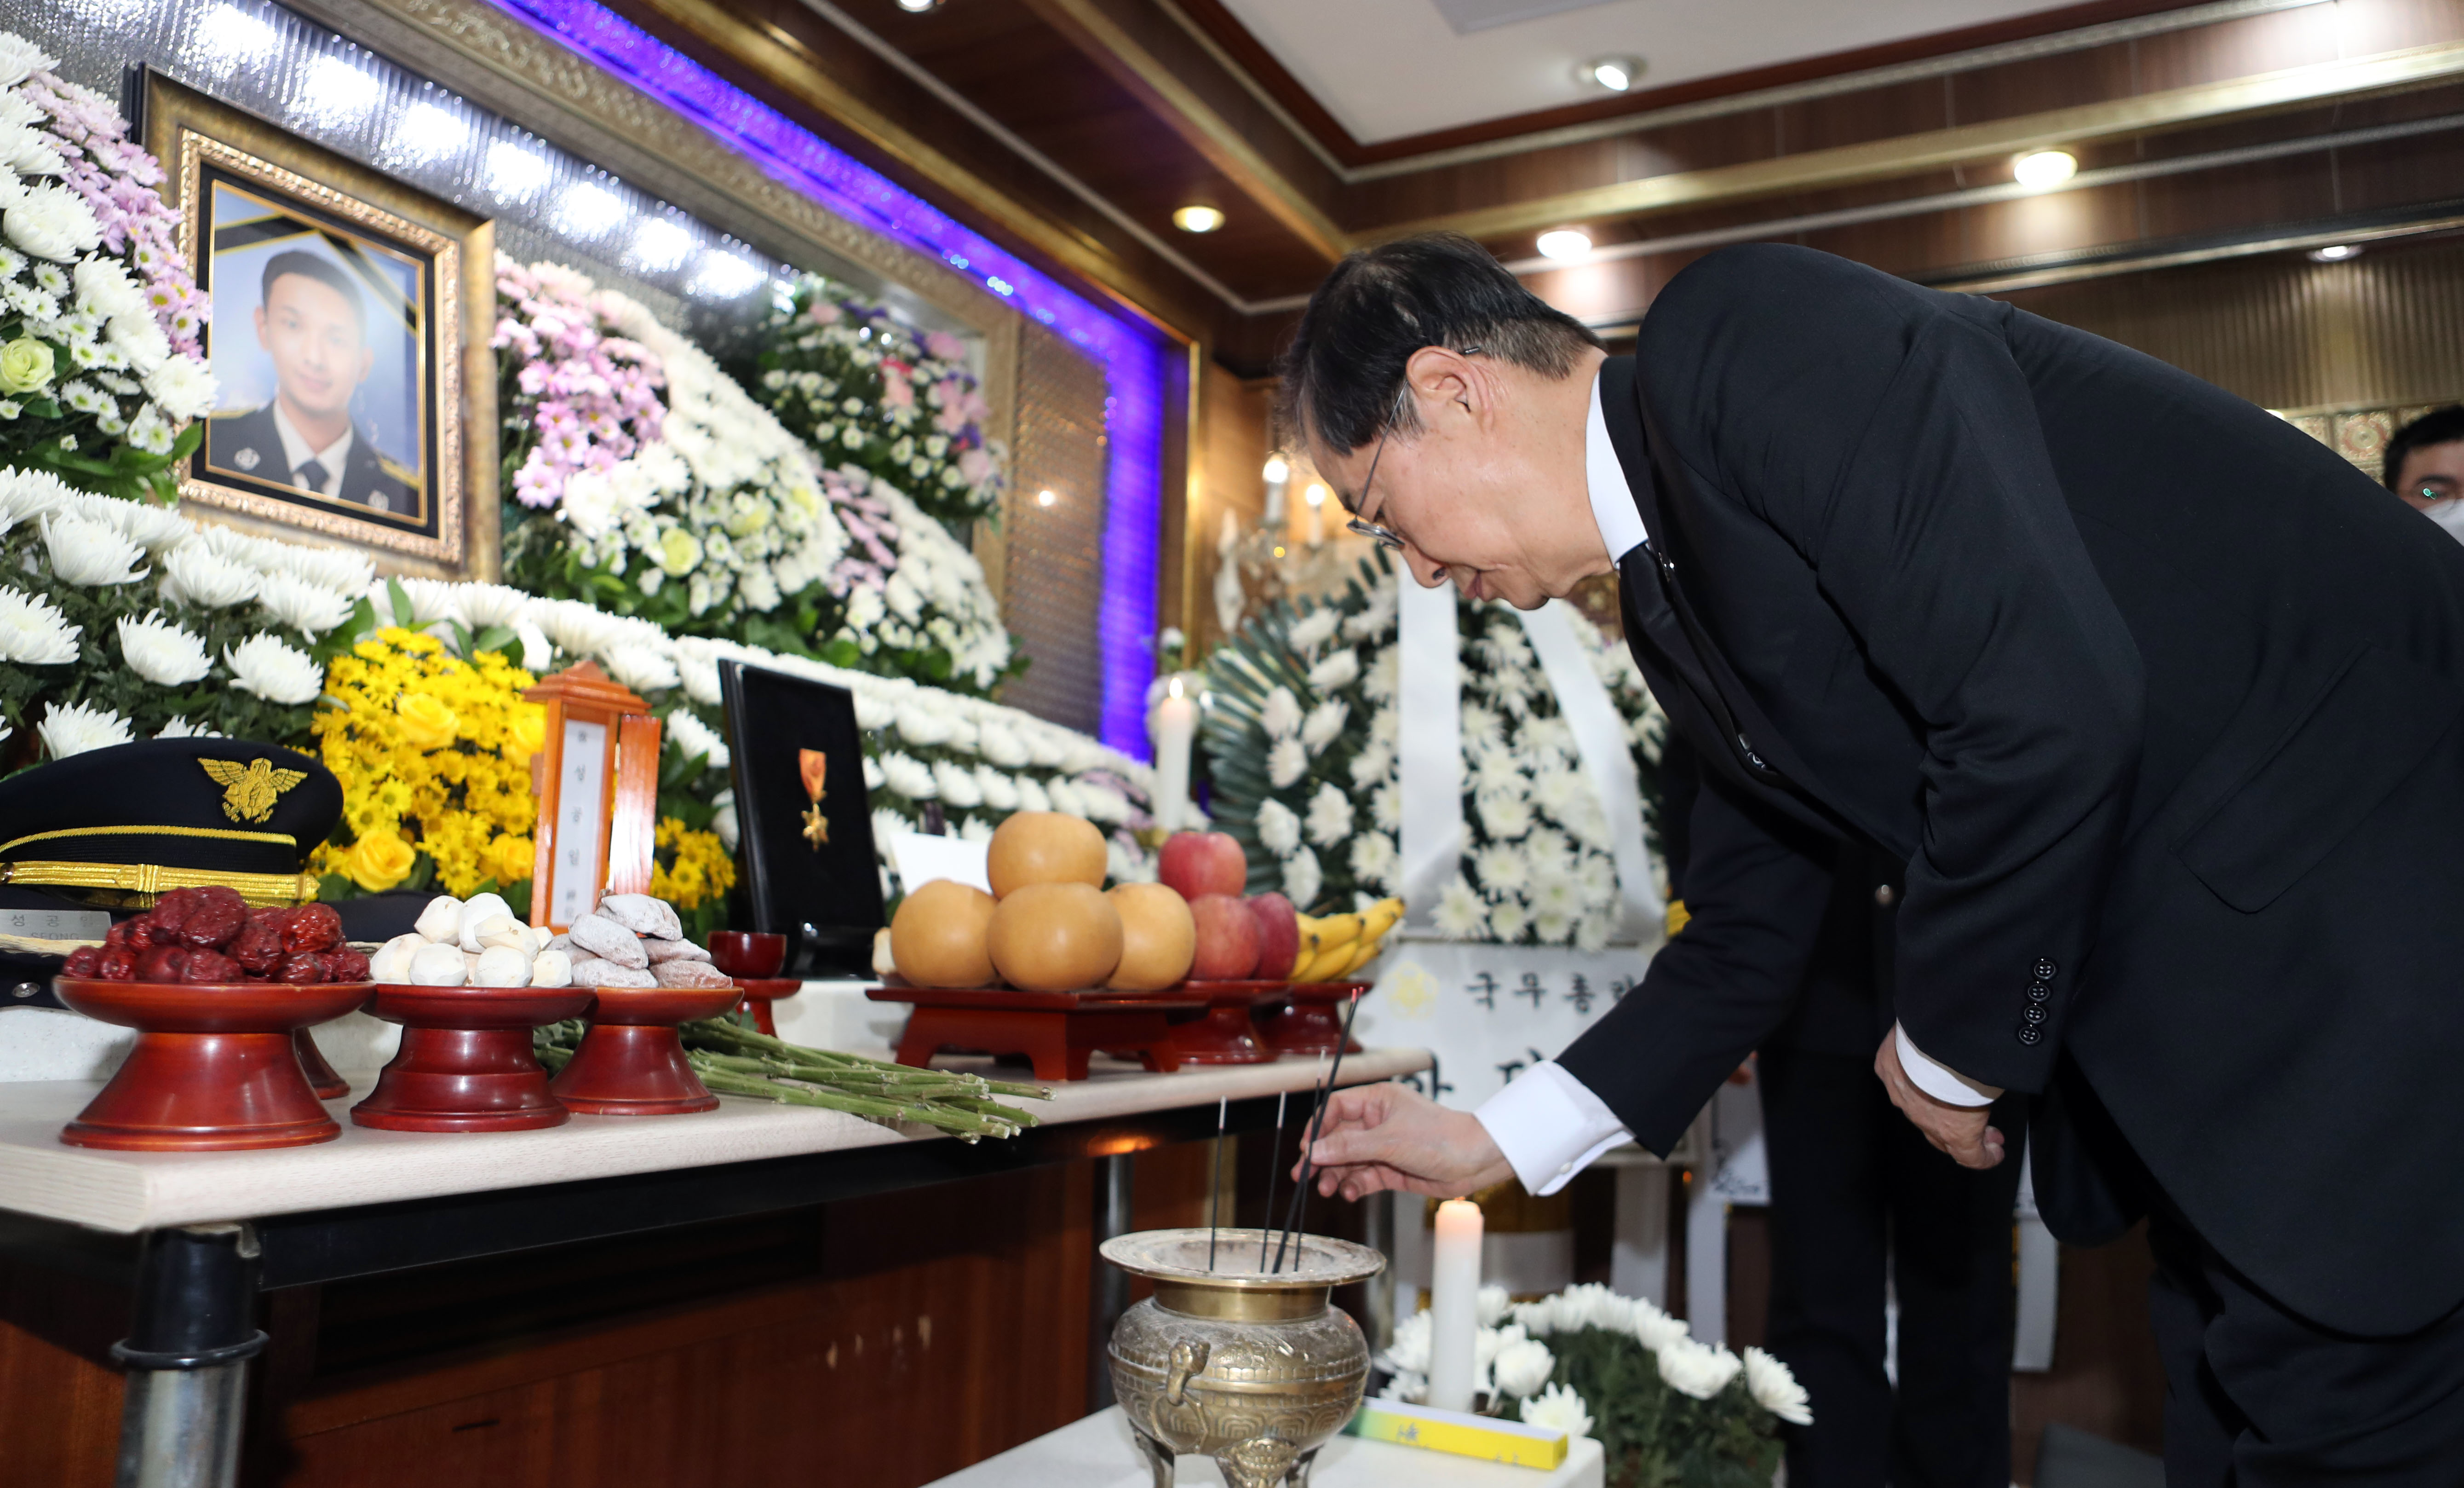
250	790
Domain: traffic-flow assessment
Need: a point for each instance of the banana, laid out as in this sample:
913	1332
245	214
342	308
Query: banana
1326	967
1368	952
1339	930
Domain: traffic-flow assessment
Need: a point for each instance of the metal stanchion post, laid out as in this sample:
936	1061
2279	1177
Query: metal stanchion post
186	1355
1112	1289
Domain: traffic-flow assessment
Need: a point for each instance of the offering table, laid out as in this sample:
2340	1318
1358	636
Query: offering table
374	1202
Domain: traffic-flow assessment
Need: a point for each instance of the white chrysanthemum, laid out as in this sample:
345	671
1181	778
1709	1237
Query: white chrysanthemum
181	728
274	671
1386	804
197	575
485	606
1339	670
162	652
873	779
1032	796
537	651
957	784
26	495
1461	914
1000	745
1775	1389
1101	803
924	725
1324	724
1508	920
1000	792
1281	716
21	59
906	775
1489	1306
1380	684
642	667
1565	795
1378	617
1064	795
1698	1369
52	222
104	288
1303	879
1372	765
1314	629
1504	817
1523	1367
1559	1409
73	728
1503	868
1329	815
1410	1387
312	609
1654	1328
1287	761
33	633
183	388
1409	1353
699	672
722	820
1375	860
89	553
692	736
1279	829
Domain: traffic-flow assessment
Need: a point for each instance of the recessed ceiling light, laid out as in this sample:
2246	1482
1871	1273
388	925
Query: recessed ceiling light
2334	253
1616	74
2042	169
1565	243
918	7
1197	218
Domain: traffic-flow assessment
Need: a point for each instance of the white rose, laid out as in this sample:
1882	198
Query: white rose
53	222
33	633
274	671
1775	1389
73	728
162	652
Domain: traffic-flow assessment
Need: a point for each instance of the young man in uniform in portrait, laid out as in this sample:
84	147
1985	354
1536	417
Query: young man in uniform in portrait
313	324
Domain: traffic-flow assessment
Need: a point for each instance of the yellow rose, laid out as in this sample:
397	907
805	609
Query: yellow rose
426	722
378	861
508	859
25	366
528	733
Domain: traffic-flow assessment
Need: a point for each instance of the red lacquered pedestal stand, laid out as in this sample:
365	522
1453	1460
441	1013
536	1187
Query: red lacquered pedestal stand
465	1062
214	1068
753	957
1311	1020
1228	1035
631	1062
1055	1031
321	1078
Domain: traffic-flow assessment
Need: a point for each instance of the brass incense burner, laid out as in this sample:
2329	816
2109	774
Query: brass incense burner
1247	1367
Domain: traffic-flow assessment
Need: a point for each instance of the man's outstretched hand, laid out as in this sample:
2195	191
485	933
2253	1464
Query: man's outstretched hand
1380	1137
1960	1130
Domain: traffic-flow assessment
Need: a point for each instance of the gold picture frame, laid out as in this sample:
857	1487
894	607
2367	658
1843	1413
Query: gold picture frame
354	312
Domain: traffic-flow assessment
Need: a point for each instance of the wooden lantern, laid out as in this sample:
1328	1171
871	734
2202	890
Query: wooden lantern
597	779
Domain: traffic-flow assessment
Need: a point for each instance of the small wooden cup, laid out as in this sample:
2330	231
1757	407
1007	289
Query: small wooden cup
465	1062
214	1068
631	1062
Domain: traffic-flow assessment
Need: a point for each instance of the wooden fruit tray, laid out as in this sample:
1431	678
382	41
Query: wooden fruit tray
1311	1020
1055	1031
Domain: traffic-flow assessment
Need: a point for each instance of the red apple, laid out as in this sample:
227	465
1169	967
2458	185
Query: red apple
1227	939
1203	862
1278	936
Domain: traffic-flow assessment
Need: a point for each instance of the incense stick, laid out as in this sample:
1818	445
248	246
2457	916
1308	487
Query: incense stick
1317	1119
1214	1183
1274	1166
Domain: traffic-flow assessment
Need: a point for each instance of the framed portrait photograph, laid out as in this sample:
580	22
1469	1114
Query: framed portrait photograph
348	341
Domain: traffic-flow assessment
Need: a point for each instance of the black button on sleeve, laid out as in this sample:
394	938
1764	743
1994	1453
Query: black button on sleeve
2045	969
2040	991
2033	1013
2031	1036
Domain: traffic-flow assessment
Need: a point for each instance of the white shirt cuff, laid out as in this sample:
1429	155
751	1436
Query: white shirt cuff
1946	1085
1550	1126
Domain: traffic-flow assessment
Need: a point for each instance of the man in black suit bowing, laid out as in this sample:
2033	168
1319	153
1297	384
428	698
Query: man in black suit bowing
2155	699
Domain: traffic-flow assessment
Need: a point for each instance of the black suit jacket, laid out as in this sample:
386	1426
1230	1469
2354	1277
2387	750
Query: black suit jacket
2156	698
250	445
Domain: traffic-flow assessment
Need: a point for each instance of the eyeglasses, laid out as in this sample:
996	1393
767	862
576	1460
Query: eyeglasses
1385	537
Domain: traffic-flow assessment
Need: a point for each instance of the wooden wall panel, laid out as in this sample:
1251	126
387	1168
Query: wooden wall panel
59	1393
2284	332
1233	444
1054	554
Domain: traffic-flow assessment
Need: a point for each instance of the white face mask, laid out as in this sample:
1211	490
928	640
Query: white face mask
2449	513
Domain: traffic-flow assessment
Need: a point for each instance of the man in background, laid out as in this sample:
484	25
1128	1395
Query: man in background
312	322
2425	461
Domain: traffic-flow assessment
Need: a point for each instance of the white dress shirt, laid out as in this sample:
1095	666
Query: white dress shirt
1548	1125
295	453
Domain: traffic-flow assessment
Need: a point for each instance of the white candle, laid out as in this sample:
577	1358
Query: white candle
1175	727
1454	1306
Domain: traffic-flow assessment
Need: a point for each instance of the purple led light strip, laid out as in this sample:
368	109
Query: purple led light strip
1130	355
